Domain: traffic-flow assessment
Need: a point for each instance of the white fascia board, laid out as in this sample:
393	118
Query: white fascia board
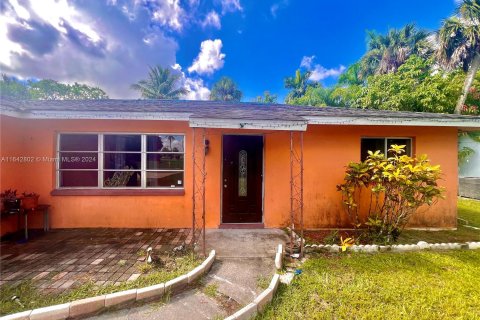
179	116
458	123
248	124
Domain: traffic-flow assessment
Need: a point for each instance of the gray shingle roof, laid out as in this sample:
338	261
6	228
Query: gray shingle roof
219	110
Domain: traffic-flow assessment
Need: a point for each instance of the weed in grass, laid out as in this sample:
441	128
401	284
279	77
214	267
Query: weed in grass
211	290
263	282
144	268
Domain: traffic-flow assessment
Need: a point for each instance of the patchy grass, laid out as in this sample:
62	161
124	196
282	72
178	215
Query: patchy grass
211	290
414	285
32	298
263	282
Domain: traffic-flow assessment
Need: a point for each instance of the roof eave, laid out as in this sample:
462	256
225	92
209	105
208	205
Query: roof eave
395	121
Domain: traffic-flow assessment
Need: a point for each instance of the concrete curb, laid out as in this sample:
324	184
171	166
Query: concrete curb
421	245
265	297
279	257
88	306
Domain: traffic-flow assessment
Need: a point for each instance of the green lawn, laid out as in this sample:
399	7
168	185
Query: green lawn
469	210
415	285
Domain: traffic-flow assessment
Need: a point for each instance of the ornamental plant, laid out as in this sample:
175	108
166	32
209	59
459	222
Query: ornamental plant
381	193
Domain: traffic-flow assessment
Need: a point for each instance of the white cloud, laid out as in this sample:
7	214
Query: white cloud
169	13
196	88
212	19
209	59
95	44
319	72
231	6
307	62
277	6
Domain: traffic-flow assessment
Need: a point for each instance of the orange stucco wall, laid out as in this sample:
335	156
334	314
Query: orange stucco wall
326	151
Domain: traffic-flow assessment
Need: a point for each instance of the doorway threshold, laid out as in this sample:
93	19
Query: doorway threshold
241	226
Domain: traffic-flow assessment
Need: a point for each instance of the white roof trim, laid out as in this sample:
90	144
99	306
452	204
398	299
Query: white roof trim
295	125
103	115
395	121
248	124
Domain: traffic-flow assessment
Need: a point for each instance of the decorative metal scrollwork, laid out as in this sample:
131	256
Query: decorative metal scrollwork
242	173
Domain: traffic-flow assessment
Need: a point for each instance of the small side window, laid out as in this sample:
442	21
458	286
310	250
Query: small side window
382	145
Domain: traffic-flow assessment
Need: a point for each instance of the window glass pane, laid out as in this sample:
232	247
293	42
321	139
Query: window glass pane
156	161
122	161
78	160
122	142
165	143
406	142
78	142
118	179
371	144
165	179
78	179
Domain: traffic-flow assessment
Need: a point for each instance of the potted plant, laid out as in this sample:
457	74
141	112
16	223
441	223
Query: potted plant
11	204
30	200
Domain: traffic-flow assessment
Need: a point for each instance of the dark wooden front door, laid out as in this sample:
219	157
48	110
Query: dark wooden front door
242	179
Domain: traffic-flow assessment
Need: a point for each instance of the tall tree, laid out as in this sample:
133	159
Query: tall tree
225	90
48	89
297	84
267	98
10	87
459	44
386	53
160	84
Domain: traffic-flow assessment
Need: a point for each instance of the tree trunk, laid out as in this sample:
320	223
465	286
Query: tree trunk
468	82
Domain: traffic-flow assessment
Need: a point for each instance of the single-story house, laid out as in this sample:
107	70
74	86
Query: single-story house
136	163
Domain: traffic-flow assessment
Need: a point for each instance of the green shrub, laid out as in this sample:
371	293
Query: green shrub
381	193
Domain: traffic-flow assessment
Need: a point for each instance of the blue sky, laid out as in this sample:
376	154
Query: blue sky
111	43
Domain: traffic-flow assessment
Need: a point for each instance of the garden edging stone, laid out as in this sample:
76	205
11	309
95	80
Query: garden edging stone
91	305
259	303
421	245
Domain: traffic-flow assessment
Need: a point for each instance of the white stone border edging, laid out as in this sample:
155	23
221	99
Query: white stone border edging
92	305
265	296
259	303
279	257
373	248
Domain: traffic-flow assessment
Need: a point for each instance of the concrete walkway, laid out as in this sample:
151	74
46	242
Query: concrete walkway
245	259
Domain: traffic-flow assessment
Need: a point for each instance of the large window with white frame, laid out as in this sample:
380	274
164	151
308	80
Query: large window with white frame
120	160
383	144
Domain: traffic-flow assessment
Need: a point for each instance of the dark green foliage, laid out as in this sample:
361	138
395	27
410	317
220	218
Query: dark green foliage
47	89
267	98
160	84
225	90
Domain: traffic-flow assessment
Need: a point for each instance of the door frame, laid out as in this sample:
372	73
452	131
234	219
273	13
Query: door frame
263	176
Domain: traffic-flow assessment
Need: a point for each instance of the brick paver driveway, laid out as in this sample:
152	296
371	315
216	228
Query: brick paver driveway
64	258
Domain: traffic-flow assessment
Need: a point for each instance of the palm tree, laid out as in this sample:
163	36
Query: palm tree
298	85
161	84
225	90
386	53
459	44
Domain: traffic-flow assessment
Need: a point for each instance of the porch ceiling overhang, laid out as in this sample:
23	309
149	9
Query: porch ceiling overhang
252	124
